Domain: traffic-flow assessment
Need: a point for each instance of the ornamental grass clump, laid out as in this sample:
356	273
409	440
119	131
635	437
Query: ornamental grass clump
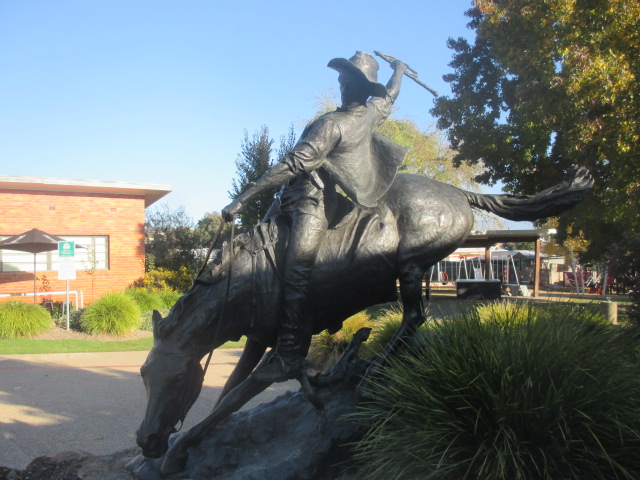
544	397
327	347
145	299
384	328
508	313
19	319
113	313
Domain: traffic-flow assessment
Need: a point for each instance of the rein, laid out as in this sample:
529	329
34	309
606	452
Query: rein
187	407
211	247
226	296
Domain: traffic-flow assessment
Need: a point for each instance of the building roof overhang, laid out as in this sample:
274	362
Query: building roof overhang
487	238
150	191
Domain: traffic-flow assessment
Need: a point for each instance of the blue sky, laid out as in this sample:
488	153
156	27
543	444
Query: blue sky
162	91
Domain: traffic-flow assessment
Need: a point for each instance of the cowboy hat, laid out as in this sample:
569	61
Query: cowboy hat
364	67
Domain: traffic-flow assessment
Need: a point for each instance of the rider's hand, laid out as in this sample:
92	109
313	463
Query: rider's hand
398	64
230	211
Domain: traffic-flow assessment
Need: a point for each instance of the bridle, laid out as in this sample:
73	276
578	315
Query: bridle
190	394
195	381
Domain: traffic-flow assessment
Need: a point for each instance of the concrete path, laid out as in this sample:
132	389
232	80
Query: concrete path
88	402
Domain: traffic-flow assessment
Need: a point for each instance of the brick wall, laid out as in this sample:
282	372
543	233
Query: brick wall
121	217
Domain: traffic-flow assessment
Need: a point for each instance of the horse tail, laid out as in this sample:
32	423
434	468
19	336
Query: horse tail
548	203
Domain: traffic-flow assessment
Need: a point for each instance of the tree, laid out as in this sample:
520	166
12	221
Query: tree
206	231
548	84
429	154
253	161
170	241
176	248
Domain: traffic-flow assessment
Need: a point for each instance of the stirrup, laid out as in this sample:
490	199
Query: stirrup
277	369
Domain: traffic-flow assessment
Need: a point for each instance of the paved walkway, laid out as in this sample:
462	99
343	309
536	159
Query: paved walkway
88	402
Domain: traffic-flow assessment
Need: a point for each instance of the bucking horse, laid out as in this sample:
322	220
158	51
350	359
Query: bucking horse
418	222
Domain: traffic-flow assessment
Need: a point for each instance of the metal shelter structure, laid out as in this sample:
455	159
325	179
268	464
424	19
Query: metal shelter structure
488	238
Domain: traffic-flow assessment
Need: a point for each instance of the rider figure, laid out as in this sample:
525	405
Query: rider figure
339	148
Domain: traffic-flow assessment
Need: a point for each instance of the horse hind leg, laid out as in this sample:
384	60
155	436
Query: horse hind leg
413	308
413	315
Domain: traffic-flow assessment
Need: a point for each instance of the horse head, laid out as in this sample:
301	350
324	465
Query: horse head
172	377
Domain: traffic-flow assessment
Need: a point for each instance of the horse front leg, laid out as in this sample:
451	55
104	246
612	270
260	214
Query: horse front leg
175	459
251	355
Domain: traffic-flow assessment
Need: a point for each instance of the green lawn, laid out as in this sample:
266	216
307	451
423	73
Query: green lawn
26	345
29	346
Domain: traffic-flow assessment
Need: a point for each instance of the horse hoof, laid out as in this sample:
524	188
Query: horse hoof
174	462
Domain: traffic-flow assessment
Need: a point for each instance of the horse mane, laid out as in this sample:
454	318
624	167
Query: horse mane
226	258
255	259
261	237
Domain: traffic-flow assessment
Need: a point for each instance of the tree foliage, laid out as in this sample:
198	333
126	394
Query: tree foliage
548	84
176	247
170	241
208	227
174	242
429	154
254	160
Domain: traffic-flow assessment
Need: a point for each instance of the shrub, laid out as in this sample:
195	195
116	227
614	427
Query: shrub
60	318
555	396
145	299
113	313
168	297
159	279
507	313
19	319
515	313
326	347
74	320
384	328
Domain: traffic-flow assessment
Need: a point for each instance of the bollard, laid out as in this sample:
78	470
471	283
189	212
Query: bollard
610	310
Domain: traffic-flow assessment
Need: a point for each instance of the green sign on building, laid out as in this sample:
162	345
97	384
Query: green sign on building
66	249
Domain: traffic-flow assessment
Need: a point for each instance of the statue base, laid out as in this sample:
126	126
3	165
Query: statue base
286	439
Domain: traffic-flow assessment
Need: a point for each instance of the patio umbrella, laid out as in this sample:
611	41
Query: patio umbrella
34	241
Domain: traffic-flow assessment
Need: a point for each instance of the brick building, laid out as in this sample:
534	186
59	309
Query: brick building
105	218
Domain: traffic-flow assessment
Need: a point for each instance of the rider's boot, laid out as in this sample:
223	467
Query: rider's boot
288	361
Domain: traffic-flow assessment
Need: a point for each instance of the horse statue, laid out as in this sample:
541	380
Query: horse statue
418	222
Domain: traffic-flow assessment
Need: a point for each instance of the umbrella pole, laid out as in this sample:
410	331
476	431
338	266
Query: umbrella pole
34	277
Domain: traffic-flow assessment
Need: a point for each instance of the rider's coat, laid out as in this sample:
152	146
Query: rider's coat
344	149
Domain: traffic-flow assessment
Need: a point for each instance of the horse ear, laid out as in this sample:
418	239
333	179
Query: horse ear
156	318
161	326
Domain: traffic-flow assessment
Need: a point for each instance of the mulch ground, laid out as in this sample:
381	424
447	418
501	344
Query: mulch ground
61	333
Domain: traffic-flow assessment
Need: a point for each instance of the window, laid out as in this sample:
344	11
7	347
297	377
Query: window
92	249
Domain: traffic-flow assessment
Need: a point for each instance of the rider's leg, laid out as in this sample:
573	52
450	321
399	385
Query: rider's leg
308	228
302	251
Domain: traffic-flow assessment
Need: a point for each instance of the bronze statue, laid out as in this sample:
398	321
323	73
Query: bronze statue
318	258
339	148
417	222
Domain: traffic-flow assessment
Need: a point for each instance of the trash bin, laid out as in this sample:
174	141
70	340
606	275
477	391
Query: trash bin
479	289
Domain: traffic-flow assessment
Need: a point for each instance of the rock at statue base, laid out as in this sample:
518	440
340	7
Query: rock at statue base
286	439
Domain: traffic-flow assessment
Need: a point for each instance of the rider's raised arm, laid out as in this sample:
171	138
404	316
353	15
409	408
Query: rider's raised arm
393	85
